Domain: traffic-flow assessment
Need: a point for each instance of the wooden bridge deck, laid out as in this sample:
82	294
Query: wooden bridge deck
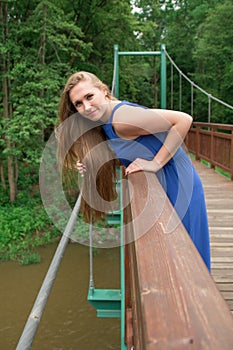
219	201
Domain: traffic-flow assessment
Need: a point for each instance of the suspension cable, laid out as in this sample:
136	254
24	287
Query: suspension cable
195	85
180	97
192	99
209	108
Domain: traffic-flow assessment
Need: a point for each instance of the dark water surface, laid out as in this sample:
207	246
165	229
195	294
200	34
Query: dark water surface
68	322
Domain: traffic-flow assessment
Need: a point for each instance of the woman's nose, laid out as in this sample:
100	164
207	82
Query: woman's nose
87	105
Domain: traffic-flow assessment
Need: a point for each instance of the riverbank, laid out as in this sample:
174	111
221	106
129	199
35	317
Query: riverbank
25	226
22	229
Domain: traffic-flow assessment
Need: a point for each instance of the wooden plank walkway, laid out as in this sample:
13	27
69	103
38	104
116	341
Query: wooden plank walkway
219	201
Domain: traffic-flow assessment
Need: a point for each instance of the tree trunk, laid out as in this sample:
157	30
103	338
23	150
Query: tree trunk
5	59
41	55
3	182
11	179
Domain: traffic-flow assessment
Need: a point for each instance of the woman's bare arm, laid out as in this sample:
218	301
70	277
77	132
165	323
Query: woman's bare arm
131	122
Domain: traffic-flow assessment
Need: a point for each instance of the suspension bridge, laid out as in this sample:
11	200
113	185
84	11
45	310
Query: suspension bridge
176	304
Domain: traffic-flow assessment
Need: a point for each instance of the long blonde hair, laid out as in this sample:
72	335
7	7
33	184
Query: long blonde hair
78	139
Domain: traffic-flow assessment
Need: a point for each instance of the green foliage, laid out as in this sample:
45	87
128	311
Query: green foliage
24	227
30	258
41	40
214	57
24	224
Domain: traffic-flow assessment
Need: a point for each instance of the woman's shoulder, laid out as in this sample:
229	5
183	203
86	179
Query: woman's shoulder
125	119
123	108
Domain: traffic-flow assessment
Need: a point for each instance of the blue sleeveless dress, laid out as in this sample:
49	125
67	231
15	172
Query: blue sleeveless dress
178	178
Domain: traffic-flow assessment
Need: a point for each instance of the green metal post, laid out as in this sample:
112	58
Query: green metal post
163	94
162	53
116	71
122	263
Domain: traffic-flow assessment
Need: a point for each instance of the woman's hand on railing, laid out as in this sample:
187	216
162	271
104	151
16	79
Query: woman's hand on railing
140	164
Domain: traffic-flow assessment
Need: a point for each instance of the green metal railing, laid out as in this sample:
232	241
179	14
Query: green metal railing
161	53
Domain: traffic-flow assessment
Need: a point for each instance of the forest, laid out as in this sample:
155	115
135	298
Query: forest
44	41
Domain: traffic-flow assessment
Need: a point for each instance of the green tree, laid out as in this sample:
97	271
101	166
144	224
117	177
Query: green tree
182	19
105	23
43	42
7	144
150	33
40	45
214	58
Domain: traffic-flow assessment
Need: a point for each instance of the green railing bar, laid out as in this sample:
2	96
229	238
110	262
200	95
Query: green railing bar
163	77
116	71
122	263
139	53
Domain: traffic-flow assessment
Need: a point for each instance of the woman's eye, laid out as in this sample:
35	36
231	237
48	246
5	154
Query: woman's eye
89	97
78	104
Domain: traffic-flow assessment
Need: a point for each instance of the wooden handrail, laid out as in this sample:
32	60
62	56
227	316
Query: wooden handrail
213	143
172	301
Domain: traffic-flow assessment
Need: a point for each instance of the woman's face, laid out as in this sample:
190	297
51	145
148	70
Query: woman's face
90	101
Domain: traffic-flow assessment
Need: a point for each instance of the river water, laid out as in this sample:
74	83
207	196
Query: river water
69	322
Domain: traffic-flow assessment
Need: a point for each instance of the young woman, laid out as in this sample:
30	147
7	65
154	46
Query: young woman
142	139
